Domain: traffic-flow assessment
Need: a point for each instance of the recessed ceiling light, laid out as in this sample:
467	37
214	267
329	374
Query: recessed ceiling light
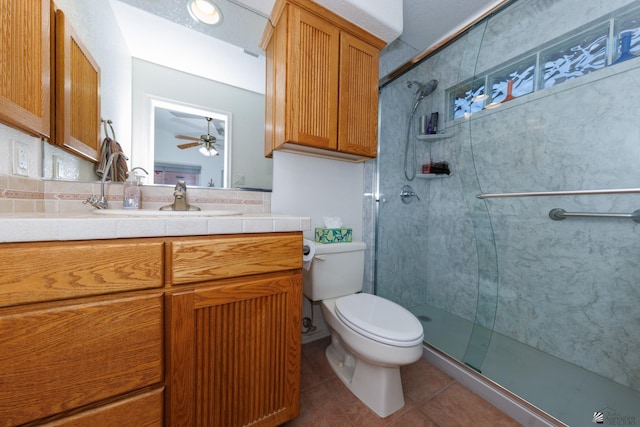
205	11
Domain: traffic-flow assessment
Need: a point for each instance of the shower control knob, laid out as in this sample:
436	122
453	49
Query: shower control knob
407	194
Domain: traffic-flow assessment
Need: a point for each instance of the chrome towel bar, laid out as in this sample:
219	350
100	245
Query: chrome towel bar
558	214
560	193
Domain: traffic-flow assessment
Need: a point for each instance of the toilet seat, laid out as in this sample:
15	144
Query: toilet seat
379	319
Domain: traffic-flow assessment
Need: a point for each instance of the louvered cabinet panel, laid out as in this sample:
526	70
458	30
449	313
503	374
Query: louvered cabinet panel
358	133
322	83
77	93
25	65
235	357
312	80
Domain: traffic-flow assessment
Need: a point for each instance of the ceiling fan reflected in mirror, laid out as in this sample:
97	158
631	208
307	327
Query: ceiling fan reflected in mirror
207	143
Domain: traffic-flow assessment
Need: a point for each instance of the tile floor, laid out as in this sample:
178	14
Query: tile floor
432	398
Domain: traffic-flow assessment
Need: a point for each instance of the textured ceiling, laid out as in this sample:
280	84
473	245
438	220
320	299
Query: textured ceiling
241	25
425	21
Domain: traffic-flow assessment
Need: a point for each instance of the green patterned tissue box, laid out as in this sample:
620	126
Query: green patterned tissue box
333	235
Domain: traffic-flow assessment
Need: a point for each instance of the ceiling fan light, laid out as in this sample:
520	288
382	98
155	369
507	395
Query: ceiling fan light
204	11
208	151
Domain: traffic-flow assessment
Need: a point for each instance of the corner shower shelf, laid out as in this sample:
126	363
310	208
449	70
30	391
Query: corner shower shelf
433	175
434	137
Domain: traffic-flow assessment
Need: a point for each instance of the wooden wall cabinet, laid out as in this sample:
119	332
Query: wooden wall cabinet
76	116
50	83
321	83
25	66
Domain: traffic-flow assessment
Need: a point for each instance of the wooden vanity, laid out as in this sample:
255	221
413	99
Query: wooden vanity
176	331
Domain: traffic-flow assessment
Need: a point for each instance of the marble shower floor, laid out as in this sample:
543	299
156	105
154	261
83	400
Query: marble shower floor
432	398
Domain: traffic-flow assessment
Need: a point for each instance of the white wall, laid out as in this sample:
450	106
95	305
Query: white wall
317	187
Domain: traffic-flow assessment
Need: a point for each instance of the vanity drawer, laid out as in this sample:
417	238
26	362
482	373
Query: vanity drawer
60	356
145	409
46	271
193	260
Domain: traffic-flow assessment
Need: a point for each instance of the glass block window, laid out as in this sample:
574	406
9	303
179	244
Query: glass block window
578	56
608	41
629	26
467	98
513	81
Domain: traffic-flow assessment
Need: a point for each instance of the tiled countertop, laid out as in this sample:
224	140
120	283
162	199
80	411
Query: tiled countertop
88	226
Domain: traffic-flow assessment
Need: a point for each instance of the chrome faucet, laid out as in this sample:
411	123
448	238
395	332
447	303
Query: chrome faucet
180	199
102	202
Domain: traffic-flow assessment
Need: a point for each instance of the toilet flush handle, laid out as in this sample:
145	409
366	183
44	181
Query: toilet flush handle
320	257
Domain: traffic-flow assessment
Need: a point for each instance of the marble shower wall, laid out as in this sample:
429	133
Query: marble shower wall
570	288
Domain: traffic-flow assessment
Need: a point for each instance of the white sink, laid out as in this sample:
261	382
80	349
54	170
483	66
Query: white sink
158	213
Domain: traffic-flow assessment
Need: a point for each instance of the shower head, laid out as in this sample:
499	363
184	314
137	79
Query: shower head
424	89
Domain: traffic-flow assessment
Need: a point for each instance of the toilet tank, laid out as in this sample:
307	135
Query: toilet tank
337	269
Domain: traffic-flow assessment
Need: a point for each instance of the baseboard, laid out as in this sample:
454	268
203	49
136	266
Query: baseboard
509	403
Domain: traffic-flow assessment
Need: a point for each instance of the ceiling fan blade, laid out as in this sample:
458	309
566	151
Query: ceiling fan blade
188	145
187	137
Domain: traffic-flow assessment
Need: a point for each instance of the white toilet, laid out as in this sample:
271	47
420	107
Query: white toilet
371	337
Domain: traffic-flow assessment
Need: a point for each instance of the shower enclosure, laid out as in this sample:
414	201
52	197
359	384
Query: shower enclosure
540	100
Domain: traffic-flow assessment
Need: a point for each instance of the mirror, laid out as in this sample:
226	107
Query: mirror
193	72
190	66
156	86
190	144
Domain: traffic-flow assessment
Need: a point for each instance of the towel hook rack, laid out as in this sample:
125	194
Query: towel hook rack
106	133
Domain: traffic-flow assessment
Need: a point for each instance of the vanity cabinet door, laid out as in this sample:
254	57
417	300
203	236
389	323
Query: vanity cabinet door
25	65
234	352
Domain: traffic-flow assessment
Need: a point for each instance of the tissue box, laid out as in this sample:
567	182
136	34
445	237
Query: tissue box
333	235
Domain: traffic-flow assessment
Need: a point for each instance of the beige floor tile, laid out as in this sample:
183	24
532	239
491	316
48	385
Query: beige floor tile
459	406
432	399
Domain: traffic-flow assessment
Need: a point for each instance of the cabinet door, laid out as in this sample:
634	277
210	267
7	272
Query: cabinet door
234	352
358	120
77	93
312	80
25	56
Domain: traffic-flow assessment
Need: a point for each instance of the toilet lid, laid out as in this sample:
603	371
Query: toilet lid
380	319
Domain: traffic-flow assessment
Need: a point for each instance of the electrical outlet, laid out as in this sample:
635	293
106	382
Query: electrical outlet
238	180
20	159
